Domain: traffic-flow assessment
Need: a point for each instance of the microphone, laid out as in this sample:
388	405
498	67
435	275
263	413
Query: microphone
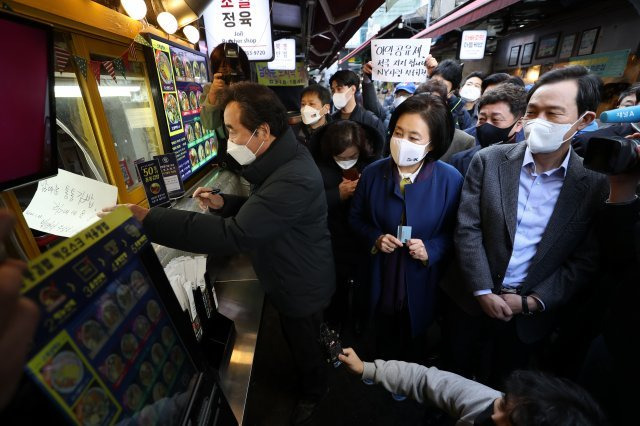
621	115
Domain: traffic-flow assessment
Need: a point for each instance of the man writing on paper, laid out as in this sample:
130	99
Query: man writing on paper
282	226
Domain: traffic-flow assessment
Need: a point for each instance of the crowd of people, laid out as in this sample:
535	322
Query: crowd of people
459	204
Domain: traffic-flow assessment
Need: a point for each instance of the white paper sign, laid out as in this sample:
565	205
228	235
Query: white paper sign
285	55
245	22
400	60
66	204
473	43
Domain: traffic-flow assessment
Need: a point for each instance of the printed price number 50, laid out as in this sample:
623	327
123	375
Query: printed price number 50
149	171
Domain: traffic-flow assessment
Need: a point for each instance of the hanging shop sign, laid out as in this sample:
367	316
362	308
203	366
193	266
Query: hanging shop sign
609	64
268	77
473	44
245	22
285	55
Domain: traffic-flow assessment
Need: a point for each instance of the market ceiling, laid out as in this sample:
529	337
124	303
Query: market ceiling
329	24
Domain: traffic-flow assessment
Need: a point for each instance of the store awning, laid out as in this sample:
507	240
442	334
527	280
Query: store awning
330	24
384	31
471	12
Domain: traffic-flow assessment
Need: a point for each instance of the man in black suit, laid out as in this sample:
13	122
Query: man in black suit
523	238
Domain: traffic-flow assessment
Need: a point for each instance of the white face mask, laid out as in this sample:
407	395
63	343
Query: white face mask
398	100
346	164
470	93
340	100
542	136
310	115
407	153
241	153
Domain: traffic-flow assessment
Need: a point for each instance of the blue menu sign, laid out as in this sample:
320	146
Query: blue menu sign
153	182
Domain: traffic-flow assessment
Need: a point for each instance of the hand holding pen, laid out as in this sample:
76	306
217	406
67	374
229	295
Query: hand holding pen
208	198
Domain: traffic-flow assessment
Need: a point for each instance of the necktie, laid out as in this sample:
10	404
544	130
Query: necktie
403	183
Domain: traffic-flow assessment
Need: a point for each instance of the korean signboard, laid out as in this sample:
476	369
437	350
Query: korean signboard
285	55
268	77
245	22
473	44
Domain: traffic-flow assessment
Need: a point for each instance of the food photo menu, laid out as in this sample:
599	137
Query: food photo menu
182	74
106	351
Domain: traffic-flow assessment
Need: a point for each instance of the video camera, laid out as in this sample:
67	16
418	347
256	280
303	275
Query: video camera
615	155
232	53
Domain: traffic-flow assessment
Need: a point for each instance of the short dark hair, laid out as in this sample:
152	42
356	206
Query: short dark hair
515	80
342	134
497	78
219	58
512	95
589	86
435	87
259	105
476	74
345	78
536	398
323	93
451	71
434	111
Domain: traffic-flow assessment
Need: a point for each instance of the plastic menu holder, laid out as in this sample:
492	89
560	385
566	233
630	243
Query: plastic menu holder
111	347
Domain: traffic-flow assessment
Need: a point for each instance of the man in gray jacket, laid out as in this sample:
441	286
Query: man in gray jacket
523	240
531	398
282	226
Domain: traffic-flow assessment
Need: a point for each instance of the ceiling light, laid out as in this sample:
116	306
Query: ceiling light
192	33
136	9
167	22
521	25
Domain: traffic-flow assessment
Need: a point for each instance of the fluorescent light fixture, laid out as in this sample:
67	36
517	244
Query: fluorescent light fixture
192	33
167	22
136	9
105	91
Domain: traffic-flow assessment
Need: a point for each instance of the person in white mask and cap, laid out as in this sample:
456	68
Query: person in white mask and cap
344	86
315	105
403	211
523	240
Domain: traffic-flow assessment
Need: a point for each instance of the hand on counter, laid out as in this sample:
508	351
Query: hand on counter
208	200
18	319
138	212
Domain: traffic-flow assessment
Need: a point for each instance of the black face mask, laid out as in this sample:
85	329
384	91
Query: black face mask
488	134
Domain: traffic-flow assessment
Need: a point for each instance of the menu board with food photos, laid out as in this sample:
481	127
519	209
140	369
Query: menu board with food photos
106	351
181	75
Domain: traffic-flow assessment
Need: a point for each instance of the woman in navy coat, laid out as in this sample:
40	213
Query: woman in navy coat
414	190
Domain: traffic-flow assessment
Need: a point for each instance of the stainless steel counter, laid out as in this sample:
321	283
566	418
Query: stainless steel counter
240	298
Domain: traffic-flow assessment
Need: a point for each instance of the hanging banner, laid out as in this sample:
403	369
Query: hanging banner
609	64
268	77
473	44
245	22
400	60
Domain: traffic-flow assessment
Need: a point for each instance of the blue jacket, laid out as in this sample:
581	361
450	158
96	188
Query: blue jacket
431	205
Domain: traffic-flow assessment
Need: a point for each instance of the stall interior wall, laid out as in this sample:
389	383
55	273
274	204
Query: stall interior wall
617	19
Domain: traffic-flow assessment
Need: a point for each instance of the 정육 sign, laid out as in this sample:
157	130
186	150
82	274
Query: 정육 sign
473	44
399	60
285	55
245	22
